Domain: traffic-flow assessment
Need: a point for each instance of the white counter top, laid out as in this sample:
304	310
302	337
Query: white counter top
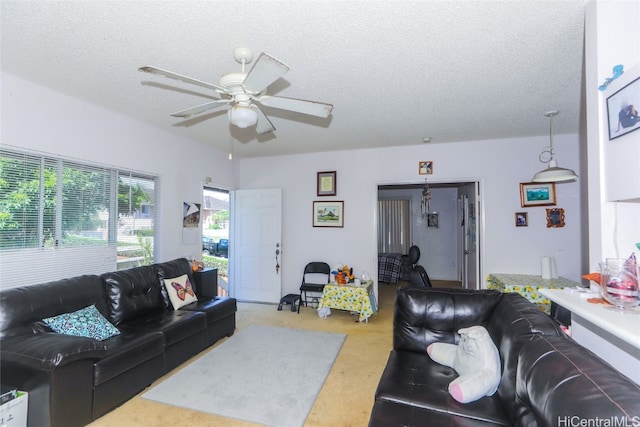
622	324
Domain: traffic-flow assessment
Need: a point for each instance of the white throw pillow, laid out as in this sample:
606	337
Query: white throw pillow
180	291
475	359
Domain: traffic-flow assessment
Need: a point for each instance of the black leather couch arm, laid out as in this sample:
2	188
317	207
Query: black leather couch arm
49	350
426	315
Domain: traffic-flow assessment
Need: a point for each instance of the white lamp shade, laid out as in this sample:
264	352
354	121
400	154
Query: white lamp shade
242	116
554	174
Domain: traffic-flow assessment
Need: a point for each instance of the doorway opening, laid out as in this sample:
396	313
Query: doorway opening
215	234
447	232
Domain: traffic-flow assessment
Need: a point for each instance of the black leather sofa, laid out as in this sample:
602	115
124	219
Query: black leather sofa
74	380
547	378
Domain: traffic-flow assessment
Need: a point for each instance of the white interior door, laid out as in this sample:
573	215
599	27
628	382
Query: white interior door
256	238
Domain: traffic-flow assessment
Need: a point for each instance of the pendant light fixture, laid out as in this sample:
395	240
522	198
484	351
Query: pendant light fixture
552	173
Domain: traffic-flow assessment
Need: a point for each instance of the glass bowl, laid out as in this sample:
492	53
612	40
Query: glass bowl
619	283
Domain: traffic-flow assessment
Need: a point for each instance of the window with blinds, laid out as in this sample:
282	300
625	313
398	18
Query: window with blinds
65	217
394	226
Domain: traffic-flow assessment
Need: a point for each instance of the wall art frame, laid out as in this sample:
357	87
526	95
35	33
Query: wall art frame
328	214
425	167
522	219
433	220
622	110
555	218
537	194
326	183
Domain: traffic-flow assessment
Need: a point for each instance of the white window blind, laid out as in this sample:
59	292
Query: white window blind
393	226
60	218
136	215
21	200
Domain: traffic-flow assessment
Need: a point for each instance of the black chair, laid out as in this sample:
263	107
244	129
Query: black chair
313	280
419	276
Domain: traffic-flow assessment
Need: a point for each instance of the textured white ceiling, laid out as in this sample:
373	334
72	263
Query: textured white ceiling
395	71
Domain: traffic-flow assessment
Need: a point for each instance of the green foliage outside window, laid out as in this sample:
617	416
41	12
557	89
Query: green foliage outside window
222	264
49	202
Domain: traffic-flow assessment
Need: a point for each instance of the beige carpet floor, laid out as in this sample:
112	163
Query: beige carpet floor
347	395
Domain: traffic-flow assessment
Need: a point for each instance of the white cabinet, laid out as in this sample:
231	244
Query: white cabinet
612	334
622	168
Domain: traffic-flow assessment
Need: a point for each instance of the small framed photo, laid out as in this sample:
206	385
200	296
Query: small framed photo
425	167
537	194
328	214
622	110
522	219
555	217
326	183
432	220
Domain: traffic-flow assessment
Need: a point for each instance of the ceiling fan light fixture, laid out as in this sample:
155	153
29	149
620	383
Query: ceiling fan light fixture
246	91
242	117
553	173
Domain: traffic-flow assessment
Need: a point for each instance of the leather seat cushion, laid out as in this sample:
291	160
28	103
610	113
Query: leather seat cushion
50	350
414	379
174	325
514	323
126	351
215	308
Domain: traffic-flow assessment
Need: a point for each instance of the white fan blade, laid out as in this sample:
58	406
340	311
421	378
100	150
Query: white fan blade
200	108
264	125
312	108
170	74
265	71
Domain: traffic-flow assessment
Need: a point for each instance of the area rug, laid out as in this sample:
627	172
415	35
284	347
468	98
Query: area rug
262	374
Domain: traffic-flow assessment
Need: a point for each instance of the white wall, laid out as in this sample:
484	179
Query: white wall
612	37
36	118
499	165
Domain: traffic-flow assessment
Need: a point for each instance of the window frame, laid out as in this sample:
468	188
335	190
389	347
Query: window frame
88	235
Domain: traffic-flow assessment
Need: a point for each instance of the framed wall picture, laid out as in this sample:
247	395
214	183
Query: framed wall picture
425	167
555	217
432	220
522	219
326	183
537	194
622	110
328	214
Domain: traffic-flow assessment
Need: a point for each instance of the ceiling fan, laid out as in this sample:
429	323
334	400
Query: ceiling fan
242	92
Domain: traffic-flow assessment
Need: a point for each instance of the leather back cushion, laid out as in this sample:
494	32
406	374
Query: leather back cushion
171	269
21	309
419	277
514	323
560	382
426	315
133	293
